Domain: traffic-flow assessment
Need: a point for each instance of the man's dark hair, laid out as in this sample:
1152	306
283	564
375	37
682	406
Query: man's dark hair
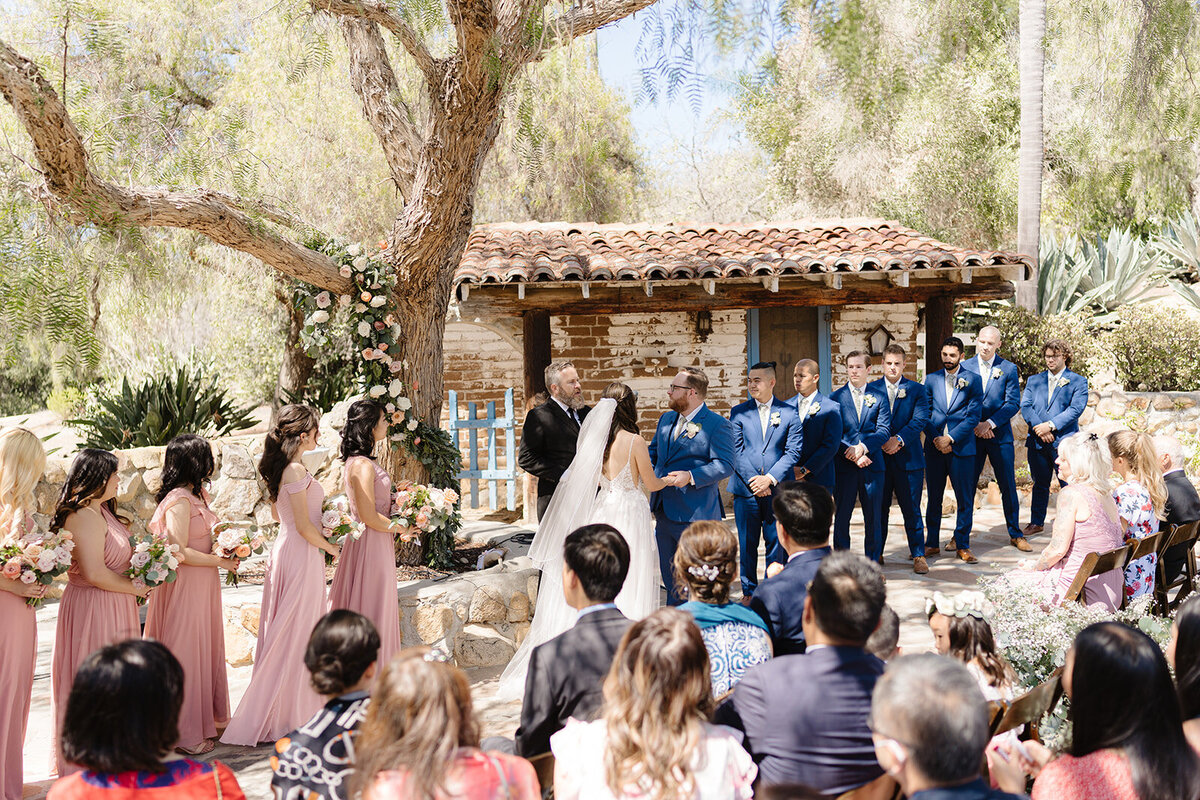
847	597
886	638
599	556
894	349
954	341
805	510
123	711
766	365
863	354
1059	347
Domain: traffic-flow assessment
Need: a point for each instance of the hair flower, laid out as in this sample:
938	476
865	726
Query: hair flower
705	572
963	604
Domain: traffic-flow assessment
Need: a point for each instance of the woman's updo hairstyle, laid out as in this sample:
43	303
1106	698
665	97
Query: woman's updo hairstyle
86	479
625	416
358	437
706	561
343	644
283	442
188	463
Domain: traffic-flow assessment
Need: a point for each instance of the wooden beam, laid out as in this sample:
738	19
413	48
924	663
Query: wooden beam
535	350
939	324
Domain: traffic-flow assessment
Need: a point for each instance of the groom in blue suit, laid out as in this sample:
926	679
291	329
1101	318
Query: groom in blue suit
692	450
1051	405
859	463
950	448
767	439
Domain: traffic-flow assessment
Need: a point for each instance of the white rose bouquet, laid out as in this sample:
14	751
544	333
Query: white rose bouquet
338	525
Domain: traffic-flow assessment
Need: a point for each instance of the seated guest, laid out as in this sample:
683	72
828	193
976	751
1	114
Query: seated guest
929	723
654	739
315	760
804	512
121	723
421	739
1127	739
1183	654
736	638
961	631
1086	522
805	716
1140	500
884	643
566	674
1183	502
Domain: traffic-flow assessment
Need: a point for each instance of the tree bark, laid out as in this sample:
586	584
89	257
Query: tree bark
297	366
1032	154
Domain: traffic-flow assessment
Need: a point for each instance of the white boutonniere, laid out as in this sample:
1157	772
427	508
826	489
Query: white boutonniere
691	429
996	373
813	409
776	418
1062	382
869	400
902	393
961	383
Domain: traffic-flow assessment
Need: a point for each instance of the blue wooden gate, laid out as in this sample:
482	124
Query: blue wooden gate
471	424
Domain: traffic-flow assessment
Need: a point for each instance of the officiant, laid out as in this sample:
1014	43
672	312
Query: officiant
551	429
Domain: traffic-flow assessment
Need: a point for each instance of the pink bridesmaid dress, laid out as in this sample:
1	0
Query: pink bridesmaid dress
365	580
280	697
186	617
18	658
90	618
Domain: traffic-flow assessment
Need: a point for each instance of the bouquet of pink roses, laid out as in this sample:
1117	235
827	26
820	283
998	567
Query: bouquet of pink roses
37	557
230	541
421	509
337	523
153	563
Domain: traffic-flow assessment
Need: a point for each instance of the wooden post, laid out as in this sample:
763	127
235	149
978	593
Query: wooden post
535	347
939	324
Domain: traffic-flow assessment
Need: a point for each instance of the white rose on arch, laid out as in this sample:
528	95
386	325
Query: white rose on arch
412	424
377	391
320	317
378	300
361	263
354	250
395	387
403	403
364	329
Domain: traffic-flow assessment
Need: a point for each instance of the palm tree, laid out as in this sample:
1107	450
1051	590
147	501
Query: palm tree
1031	59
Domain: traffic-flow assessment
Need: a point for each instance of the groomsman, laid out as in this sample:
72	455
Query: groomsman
692	450
822	423
909	406
993	434
766	445
1051	405
859	465
950	448
551	430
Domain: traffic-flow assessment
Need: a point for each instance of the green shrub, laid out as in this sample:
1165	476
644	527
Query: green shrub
332	381
67	401
23	387
160	409
1025	335
1155	351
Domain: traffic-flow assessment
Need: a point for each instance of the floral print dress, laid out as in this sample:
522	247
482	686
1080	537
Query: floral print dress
1135	508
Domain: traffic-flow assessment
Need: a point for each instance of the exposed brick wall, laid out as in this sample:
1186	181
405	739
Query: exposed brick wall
851	325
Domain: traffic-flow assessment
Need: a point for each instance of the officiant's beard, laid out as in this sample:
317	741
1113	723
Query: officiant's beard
574	402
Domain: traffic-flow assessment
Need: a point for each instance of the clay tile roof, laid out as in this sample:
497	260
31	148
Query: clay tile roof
560	251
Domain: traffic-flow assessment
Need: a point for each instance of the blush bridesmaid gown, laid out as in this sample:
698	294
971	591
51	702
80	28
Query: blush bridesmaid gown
365	580
280	697
90	618
18	658
186	617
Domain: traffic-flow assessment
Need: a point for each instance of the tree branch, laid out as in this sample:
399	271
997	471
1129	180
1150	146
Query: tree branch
584	19
377	11
64	166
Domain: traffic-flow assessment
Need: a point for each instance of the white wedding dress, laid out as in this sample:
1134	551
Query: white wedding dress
585	496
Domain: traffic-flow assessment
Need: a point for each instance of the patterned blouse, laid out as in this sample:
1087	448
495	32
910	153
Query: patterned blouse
1134	506
733	648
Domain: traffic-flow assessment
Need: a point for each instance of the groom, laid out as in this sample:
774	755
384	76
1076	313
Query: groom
692	451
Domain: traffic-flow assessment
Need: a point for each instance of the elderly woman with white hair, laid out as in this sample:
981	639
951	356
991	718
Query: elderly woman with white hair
1085	521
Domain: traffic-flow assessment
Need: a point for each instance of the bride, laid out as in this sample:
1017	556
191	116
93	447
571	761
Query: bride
611	456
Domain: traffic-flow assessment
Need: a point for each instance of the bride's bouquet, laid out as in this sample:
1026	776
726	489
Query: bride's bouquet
37	557
153	563
230	541
420	509
338	525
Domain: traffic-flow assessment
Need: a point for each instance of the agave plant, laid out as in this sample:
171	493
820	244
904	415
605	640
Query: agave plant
1114	270
160	409
1180	244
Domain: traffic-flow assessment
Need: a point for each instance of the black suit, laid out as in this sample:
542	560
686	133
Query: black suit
565	678
1183	505
548	447
805	718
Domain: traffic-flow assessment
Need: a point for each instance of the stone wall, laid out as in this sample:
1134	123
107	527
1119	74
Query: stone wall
849	327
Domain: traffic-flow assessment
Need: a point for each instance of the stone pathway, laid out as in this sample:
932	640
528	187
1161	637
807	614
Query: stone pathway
906	593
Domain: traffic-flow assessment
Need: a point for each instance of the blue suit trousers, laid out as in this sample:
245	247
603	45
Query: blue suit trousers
906	486
666	534
867	487
1042	467
961	472
1003	457
755	520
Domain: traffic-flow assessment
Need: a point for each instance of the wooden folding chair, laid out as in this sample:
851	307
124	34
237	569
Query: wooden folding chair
1097	564
543	766
996	709
1029	708
1186	535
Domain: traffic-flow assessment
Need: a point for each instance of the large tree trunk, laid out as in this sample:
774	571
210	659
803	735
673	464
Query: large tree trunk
297	366
1032	155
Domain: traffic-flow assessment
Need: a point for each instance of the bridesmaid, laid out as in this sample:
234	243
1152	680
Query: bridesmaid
279	697
22	462
186	615
99	605
365	580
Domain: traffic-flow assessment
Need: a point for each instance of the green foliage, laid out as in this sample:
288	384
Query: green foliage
160	409
1077	274
23	388
1025	335
1155	352
437	450
332	381
67	401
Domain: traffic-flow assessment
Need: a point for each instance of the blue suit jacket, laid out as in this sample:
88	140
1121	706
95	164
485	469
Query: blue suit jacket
708	455
805	718
752	456
822	438
910	415
873	429
780	600
1002	398
1063	409
963	414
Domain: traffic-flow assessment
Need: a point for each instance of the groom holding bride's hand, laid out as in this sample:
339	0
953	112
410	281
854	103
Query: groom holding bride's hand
692	451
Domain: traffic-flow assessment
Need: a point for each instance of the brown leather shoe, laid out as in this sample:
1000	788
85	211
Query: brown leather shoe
920	565
932	551
965	555
1031	529
1021	545
950	546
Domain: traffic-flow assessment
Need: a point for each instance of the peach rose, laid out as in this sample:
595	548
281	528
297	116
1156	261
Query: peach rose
242	550
12	570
